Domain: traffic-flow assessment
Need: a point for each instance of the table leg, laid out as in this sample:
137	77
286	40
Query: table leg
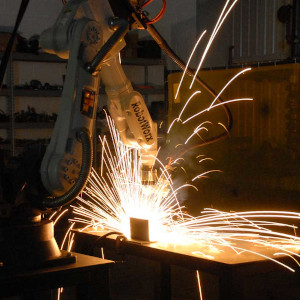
225	283
97	287
166	288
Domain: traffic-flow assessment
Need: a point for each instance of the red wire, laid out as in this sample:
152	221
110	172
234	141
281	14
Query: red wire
146	3
160	14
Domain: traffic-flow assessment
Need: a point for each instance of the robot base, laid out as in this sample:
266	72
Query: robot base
31	246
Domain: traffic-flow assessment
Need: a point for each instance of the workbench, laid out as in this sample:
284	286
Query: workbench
232	270
90	276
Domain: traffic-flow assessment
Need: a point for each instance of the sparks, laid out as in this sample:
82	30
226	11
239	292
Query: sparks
216	105
110	200
218	25
118	195
115	195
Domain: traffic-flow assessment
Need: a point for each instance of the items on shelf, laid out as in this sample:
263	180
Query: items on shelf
21	44
3	116
37	85
32	116
29	116
30	45
24	142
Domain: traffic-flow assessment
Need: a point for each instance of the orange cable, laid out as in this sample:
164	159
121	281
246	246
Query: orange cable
159	15
146	3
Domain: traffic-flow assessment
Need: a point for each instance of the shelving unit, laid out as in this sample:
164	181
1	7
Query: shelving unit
11	92
146	89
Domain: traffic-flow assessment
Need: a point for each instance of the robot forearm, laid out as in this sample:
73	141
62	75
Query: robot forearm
129	112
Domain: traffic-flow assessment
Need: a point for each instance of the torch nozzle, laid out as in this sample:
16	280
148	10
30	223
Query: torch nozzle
148	176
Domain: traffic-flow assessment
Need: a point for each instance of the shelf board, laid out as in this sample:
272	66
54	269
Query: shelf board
28	125
57	93
40	57
37	125
31	93
46	57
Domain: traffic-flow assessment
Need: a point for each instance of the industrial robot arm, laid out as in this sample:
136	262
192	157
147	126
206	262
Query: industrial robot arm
90	37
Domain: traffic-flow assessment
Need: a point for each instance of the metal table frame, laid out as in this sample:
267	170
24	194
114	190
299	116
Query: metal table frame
90	276
229	274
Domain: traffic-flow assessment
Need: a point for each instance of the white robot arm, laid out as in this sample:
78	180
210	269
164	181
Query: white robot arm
87	34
